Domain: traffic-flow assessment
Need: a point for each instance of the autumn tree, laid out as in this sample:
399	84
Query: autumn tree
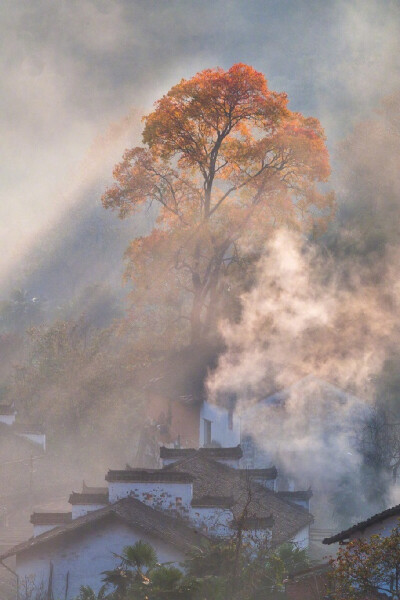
368	568
225	161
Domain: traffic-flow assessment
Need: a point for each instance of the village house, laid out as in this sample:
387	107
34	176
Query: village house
196	495
33	433
21	446
382	523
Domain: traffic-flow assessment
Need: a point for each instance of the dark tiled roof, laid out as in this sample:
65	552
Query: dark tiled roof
135	514
213	501
52	518
270	473
256	523
27	428
234	453
297	495
343	535
88	489
215	479
7	409
8	431
150	475
76	498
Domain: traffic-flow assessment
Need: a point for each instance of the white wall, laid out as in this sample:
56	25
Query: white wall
36	438
270	484
384	528
169	461
220	432
212	520
302	538
257	536
85	557
162	496
39	529
79	510
8	419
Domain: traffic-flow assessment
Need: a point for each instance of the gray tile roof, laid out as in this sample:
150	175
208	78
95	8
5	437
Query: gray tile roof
77	498
50	518
151	475
269	473
377	518
296	495
135	514
213	502
89	489
7	409
233	453
214	479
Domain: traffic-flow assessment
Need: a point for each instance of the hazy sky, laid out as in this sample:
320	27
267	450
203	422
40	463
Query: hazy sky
70	68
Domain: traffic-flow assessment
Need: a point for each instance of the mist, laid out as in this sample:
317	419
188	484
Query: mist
76	79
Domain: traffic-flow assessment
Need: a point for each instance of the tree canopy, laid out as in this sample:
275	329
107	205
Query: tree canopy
225	161
368	567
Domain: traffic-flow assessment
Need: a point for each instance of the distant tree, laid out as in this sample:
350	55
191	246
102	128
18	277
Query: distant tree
226	162
368	567
20	311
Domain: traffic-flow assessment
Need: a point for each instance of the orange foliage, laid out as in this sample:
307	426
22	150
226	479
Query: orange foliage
226	161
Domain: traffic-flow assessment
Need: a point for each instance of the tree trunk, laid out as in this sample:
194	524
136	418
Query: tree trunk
195	314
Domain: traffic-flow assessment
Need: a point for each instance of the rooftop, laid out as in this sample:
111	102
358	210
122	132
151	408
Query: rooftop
297	495
149	475
270	473
212	478
128	510
50	518
27	428
8	409
78	498
213	501
256	523
88	489
234	453
362	525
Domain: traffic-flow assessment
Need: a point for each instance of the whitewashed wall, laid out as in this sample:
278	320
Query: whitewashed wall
302	538
162	496
79	510
257	536
212	520
270	484
220	432
85	557
36	438
39	529
384	528
8	419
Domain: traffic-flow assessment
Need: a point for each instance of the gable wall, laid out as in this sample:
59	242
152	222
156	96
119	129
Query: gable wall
162	496
383	527
302	538
8	419
212	520
85	556
220	431
79	510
